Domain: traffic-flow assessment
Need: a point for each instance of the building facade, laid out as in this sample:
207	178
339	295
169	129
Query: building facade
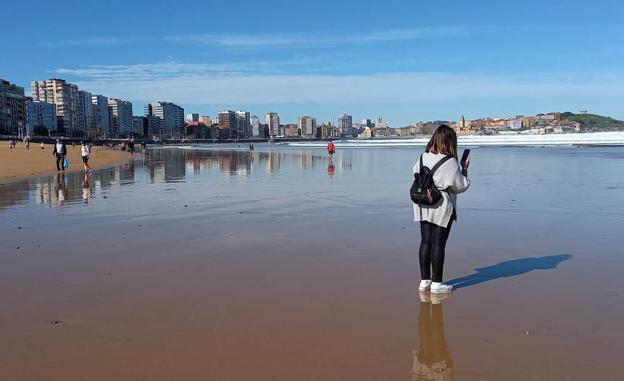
345	123
255	125
271	119
100	124
40	118
67	100
86	114
243	124
171	117
12	109
307	125
121	115
140	126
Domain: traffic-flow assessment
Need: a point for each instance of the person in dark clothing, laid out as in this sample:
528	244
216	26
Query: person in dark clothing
60	151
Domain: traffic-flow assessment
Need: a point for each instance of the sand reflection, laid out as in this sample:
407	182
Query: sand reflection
432	359
167	165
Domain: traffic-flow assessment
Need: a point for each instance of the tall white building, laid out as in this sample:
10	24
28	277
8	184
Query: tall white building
255	125
66	98
121	113
345	123
171	117
307	125
271	119
101	116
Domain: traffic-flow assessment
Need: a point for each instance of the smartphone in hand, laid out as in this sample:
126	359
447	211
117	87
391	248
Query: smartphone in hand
465	157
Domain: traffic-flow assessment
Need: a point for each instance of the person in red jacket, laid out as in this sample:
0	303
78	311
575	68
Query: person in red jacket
331	148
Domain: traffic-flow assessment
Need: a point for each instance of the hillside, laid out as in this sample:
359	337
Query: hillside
593	122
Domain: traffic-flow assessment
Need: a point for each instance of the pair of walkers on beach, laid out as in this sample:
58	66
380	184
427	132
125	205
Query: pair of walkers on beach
60	153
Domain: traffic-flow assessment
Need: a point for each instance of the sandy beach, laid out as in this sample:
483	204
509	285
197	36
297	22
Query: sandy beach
216	264
20	162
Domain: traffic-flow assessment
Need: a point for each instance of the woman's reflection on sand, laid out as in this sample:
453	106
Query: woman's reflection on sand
432	360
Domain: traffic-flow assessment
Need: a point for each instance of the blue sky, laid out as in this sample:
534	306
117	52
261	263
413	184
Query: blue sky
403	60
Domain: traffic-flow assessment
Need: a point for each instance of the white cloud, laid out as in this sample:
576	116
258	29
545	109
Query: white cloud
93	41
382	88
299	39
151	71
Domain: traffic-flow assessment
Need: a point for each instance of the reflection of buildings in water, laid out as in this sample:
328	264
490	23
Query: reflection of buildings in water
345	165
197	165
14	193
51	190
175	169
227	162
273	162
126	174
165	165
432	360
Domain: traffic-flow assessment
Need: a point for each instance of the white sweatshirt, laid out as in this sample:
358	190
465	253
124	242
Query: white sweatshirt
447	177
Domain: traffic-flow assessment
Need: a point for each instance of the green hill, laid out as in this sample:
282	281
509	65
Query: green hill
593	122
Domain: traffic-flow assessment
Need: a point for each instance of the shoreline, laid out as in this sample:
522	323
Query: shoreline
21	163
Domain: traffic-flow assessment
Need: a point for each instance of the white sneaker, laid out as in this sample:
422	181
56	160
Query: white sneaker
424	298
440	288
424	285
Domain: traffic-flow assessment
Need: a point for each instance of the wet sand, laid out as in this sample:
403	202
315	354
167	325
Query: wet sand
266	268
20	162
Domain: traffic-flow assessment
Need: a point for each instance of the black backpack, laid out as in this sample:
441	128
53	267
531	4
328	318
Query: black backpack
424	191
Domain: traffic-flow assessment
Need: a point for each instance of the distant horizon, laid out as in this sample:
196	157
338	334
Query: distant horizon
406	63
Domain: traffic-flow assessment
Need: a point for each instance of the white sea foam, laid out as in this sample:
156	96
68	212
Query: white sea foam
594	138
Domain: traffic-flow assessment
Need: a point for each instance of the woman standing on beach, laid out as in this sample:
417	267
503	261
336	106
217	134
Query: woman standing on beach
436	220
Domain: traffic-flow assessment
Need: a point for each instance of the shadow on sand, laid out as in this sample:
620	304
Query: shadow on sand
508	269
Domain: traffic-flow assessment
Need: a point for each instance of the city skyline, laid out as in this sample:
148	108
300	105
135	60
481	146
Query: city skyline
407	62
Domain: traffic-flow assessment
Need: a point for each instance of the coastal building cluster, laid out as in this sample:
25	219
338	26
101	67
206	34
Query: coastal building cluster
550	123
56	107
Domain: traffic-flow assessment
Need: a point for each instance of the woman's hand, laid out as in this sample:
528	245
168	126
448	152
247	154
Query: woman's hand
465	166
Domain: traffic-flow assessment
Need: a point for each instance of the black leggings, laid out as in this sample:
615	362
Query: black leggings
432	250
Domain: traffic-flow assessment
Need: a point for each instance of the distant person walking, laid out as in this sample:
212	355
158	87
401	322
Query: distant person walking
85	151
42	145
331	148
60	151
131	147
440	160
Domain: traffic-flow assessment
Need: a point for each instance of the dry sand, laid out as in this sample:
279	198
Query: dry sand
20	162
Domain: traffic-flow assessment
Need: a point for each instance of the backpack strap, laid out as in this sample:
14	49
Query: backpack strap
439	163
421	163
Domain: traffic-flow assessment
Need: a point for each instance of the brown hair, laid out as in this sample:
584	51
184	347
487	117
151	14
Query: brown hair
444	141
